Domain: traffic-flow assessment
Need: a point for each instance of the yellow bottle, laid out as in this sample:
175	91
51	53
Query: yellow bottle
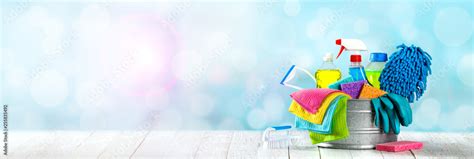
328	73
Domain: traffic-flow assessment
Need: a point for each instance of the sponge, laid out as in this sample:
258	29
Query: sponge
369	92
353	88
399	146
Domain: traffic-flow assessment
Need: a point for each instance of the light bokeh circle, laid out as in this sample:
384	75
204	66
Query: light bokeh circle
49	88
426	116
453	26
257	118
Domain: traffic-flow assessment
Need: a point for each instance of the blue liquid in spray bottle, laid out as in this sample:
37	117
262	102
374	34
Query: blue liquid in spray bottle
356	70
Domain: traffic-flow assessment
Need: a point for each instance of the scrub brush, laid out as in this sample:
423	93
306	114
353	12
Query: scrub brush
277	137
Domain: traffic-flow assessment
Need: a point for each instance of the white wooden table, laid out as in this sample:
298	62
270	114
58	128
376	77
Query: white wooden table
210	144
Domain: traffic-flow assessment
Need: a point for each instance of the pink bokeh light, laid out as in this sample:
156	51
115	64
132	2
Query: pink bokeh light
151	44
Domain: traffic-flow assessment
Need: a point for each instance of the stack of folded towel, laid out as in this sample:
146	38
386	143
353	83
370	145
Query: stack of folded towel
322	112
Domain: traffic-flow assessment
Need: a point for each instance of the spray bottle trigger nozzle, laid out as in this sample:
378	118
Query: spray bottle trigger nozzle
339	42
340	51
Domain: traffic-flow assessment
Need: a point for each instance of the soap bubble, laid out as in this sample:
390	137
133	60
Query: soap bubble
453	26
49	89
465	69
361	26
426	115
257	119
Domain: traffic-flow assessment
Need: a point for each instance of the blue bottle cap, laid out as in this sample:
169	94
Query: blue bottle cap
378	57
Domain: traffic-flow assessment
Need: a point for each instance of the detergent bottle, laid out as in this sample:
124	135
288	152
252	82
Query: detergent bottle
356	70
328	73
375	67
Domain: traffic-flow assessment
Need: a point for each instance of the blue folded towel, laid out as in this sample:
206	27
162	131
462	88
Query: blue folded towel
325	127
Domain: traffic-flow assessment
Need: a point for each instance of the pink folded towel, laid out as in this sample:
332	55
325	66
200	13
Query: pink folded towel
311	99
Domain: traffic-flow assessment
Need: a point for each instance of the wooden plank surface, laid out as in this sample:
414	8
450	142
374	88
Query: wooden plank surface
212	144
54	144
124	144
17	139
442	145
157	144
334	153
95	144
244	144
369	154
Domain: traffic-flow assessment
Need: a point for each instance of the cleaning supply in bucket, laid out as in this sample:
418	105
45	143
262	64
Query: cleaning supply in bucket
406	72
337	85
356	70
353	88
277	137
316	118
311	99
325	127
391	110
290	75
375	67
369	92
394	121
327	73
399	146
402	108
339	129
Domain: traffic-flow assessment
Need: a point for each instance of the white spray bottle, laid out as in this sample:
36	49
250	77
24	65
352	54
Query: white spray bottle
356	70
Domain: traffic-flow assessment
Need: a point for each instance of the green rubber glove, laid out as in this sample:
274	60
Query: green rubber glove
392	115
380	115
402	108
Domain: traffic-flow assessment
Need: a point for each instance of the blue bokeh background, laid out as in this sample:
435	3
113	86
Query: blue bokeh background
213	65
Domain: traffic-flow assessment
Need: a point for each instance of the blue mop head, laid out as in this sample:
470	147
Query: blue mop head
406	71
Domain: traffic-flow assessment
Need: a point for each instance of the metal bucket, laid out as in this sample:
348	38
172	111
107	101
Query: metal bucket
363	132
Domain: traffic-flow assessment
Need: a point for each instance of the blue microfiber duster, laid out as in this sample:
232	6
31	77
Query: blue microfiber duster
406	71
